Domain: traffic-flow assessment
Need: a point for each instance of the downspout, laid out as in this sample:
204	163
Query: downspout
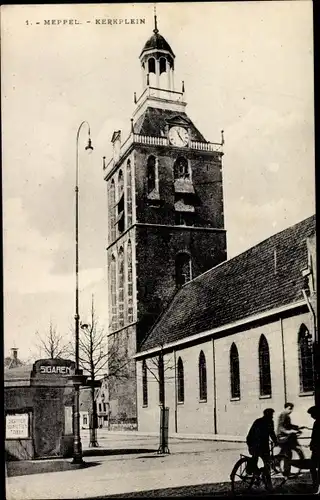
283	363
175	394
315	350
215	429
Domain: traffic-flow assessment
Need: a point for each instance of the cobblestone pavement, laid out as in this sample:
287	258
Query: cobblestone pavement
130	466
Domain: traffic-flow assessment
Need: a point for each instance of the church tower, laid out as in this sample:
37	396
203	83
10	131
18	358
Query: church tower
165	213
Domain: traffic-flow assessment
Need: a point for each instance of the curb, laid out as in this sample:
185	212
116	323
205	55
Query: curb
196	437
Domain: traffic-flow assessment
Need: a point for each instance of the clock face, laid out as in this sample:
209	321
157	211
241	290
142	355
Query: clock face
178	136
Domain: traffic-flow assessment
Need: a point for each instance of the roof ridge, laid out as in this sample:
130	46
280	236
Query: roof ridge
251	248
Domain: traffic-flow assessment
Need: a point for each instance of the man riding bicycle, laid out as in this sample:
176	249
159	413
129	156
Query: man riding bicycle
259	435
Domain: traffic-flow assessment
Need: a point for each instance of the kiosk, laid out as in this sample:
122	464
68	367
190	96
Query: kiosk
38	402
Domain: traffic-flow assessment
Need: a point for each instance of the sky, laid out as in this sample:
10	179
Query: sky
247	68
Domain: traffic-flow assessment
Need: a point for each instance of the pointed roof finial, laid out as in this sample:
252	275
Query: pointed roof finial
155	20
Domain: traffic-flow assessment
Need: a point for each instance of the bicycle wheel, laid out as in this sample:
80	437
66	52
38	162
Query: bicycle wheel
241	481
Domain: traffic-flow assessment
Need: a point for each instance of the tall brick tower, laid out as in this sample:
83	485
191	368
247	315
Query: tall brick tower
165	212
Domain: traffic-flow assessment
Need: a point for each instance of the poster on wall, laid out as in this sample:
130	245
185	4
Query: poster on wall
17	426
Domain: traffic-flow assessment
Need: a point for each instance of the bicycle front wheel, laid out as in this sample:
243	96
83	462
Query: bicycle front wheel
241	480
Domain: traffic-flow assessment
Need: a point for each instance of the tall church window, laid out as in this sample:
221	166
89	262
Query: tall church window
305	354
264	367
130	283
113	282
121	288
183	268
180	373
120	202
112	221
202	377
129	193
234	372
144	383
181	168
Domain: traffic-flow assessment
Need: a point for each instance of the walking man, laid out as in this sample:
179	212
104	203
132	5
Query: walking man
314	412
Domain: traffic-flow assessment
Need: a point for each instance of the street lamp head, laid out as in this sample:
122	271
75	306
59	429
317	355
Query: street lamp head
84	326
89	146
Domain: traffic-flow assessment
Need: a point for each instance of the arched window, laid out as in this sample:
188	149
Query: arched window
112	218
180	381
144	383
234	372
183	268
121	288
264	367
202	377
151	65
151	173
120	202
120	184
129	193
181	168
163	65
130	284
305	353
113	289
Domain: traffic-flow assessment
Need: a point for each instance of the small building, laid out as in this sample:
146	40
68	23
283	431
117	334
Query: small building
235	340
38	403
12	361
103	404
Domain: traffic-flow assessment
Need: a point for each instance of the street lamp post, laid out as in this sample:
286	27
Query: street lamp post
78	378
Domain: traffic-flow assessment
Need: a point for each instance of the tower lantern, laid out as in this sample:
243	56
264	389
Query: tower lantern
157	61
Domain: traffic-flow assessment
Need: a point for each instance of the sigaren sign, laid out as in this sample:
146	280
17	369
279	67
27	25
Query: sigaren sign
58	369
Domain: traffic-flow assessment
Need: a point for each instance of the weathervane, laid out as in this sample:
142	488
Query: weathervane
155	20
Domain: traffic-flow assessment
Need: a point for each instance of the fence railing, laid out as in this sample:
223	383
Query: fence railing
163	141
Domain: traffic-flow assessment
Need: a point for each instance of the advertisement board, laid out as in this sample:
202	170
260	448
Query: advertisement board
17	426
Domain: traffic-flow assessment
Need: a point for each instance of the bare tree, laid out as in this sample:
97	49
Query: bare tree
53	344
157	367
96	357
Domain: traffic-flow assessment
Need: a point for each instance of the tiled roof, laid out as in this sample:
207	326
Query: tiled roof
156	42
264	277
154	121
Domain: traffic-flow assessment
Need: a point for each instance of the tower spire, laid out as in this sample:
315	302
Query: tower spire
155	20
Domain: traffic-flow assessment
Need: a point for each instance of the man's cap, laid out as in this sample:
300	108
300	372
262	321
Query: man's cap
314	410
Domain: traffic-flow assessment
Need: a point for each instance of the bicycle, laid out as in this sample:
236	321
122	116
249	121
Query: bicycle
243	481
291	467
